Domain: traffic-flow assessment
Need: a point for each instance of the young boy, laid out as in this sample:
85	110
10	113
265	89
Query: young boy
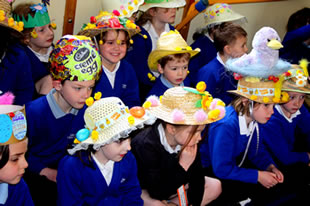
230	41
74	65
170	59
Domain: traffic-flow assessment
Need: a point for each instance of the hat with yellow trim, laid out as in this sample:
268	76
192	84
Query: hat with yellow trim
126	7
162	3
108	120
75	58
169	43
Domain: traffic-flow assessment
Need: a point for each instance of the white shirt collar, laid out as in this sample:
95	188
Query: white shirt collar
43	57
4	192
244	129
164	142
105	169
111	75
290	120
207	35
219	59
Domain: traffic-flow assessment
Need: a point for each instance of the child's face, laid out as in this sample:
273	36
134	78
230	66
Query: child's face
165	15
114	49
45	38
175	71
262	112
116	150
14	169
296	101
237	48
183	133
74	93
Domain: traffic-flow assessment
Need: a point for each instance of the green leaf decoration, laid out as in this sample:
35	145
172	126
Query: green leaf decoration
191	90
198	104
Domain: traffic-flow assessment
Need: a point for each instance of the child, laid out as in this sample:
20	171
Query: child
296	41
214	16
15	68
13	146
280	133
166	153
113	34
75	65
170	59
103	171
39	36
155	19
230	41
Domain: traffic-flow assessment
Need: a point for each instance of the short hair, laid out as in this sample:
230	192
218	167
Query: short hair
241	108
226	34
163	61
298	19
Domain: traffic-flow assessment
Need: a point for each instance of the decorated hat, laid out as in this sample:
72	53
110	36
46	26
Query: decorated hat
296	79
75	58
40	18
108	21
126	7
108	120
162	3
186	106
219	13
13	126
169	43
7	21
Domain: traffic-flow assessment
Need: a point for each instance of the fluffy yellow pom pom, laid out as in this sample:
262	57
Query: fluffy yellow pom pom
98	95
201	86
94	135
89	101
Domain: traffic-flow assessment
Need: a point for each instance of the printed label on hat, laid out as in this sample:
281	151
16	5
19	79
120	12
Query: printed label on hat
19	125
81	54
5	128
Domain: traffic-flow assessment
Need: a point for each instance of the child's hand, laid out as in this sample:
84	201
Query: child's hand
188	156
49	173
278	173
267	179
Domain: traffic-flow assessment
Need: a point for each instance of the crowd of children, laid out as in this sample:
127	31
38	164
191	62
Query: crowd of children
208	124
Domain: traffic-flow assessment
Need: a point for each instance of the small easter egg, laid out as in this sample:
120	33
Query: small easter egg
82	134
137	111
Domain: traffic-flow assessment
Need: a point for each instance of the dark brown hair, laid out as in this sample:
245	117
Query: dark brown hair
298	19
4	155
103	35
163	61
146	16
227	33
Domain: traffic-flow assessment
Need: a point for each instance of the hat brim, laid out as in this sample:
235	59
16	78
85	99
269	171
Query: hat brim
235	19
291	87
158	54
259	98
94	32
170	4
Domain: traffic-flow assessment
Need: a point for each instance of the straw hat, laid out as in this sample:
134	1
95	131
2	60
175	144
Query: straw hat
109	21
7	21
126	7
186	106
296	80
219	13
108	120
169	43
75	58
13	127
162	3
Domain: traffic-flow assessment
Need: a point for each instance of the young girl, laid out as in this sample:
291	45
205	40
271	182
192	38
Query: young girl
102	170
283	134
13	146
155	19
112	35
38	38
169	167
15	68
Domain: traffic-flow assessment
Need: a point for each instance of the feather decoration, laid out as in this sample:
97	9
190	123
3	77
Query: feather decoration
7	98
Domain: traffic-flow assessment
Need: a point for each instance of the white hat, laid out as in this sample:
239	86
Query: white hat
162	3
125	7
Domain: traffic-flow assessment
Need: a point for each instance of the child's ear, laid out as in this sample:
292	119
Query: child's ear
227	50
170	129
57	84
160	69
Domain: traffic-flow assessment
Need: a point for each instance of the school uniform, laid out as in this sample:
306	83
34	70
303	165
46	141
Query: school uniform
294	49
85	184
122	83
159	171
218	80
16	75
15	195
206	54
49	132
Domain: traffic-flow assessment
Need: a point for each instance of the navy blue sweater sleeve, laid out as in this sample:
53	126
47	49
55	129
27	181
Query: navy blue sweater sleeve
19	195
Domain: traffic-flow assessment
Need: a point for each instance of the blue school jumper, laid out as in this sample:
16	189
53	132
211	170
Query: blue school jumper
18	195
218	80
80	184
206	54
16	75
126	85
294	49
279	136
162	84
50	130
225	147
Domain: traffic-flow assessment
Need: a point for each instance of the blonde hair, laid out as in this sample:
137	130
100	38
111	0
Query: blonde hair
243	107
